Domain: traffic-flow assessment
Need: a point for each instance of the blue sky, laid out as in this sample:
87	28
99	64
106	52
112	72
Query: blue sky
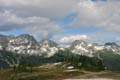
62	20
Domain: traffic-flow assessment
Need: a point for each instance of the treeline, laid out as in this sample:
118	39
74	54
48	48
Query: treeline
111	60
29	61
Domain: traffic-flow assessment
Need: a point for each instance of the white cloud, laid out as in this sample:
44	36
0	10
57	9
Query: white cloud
41	26
69	39
99	14
99	37
45	29
36	16
44	8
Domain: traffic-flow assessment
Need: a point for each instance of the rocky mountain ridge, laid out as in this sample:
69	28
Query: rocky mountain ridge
27	44
25	49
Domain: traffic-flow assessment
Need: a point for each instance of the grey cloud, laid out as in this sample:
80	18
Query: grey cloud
36	16
43	8
35	25
102	14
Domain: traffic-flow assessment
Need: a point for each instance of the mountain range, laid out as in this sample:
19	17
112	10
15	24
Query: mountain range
26	45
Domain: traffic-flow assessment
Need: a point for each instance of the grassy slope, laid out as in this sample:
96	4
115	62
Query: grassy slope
5	74
53	74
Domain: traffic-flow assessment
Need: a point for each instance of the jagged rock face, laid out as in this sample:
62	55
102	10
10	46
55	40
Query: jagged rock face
79	47
23	44
3	41
48	48
27	44
112	47
84	48
88	49
79	43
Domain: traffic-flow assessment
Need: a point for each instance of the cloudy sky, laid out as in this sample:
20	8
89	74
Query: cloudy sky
62	20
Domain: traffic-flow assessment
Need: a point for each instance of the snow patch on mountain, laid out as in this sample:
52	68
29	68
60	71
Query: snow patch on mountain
27	44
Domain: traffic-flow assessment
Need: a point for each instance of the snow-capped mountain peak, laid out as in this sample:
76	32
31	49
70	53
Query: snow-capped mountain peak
23	44
85	48
27	44
48	47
